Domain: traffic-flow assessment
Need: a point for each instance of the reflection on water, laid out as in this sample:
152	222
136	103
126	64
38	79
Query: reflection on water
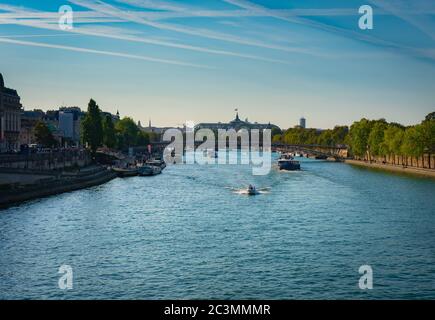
188	233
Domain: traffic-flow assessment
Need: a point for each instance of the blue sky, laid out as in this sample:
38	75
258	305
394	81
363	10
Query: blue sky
198	60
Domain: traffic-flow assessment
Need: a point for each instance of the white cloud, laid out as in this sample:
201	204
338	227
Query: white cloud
122	34
101	52
333	29
400	9
205	33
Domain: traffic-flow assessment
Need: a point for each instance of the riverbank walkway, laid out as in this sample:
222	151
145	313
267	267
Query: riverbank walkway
393	168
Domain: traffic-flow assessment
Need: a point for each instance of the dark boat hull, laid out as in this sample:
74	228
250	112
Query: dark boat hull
157	163
149	170
125	172
288	165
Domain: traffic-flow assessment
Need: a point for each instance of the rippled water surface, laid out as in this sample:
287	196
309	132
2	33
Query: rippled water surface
188	233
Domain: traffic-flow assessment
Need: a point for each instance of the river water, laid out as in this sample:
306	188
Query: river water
188	234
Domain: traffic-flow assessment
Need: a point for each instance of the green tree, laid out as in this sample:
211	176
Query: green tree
143	138
92	127
426	133
155	137
359	137
430	116
339	134
119	141
275	131
376	139
412	144
326	138
300	136
43	135
393	138
308	136
277	138
127	131
109	133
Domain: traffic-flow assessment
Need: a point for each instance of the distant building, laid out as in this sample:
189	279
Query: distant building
302	123
151	129
10	118
236	124
74	115
66	124
29	119
51	119
115	117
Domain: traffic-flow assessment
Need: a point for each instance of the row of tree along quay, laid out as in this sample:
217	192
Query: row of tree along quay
370	141
99	130
56	169
374	141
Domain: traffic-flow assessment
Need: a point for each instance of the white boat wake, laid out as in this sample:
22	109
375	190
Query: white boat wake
245	191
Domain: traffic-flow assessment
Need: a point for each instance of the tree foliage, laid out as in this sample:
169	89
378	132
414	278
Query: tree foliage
393	138
298	135
127	132
427	132
92	127
411	145
376	138
143	138
43	135
379	138
430	116
359	137
368	138
109	133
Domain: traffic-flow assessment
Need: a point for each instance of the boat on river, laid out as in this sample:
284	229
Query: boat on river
156	163
148	170
252	191
125	172
286	162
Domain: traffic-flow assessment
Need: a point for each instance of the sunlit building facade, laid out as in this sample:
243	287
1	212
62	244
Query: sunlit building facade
10	118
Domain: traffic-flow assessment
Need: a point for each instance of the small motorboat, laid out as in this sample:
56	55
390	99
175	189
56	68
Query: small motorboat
252	191
148	170
286	162
156	163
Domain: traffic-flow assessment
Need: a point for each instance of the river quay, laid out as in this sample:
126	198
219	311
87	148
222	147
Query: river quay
27	177
393	168
17	187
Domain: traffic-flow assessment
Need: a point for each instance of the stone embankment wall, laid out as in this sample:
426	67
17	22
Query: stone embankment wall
17	193
46	161
424	162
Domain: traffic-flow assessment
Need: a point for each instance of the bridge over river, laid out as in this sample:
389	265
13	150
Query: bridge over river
338	152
